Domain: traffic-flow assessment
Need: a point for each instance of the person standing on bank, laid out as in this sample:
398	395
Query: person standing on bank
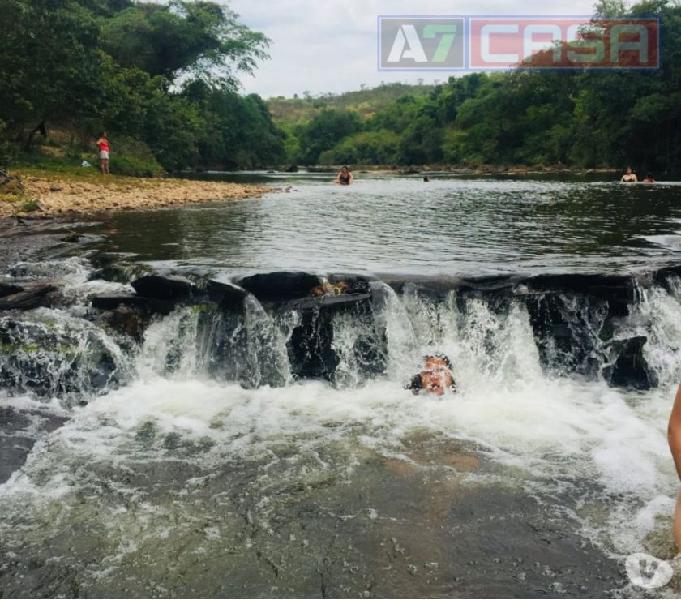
103	146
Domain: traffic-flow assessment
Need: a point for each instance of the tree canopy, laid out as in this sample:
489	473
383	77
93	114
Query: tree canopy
164	75
584	118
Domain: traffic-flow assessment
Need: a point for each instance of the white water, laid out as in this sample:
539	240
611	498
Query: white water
606	449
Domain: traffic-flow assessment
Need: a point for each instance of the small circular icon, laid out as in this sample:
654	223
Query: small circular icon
648	572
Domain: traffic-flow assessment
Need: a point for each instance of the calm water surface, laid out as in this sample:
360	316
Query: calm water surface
405	225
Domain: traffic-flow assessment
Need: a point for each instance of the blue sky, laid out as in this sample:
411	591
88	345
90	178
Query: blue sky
330	45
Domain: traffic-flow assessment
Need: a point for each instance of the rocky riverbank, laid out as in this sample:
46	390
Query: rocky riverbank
49	194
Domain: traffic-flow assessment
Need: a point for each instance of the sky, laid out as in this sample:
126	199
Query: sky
321	46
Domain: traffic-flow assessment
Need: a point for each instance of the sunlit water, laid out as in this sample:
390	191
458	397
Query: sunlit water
405	225
173	480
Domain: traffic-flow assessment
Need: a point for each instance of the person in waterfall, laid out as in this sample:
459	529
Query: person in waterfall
629	176
435	378
344	177
674	437
103	147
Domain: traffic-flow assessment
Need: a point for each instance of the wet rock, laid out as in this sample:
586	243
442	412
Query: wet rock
15	441
630	369
313	348
54	357
8	289
665	277
619	291
164	288
128	321
148	305
566	331
29	298
280	285
114	267
291	169
322	302
83	238
226	295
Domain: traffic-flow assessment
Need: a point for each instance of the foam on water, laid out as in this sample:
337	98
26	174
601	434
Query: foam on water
602	449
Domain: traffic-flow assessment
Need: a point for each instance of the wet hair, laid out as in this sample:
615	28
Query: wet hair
102	134
443	357
415	385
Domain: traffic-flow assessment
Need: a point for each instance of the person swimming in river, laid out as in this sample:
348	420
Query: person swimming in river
344	177
629	176
649	179
435	378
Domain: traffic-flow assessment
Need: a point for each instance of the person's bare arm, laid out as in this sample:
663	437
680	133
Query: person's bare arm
674	432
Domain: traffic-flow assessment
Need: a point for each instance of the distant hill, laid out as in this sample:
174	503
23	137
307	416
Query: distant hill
365	102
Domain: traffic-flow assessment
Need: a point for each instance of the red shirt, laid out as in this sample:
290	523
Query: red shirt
103	144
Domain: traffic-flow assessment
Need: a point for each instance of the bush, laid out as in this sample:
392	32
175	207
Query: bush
6	147
133	158
133	166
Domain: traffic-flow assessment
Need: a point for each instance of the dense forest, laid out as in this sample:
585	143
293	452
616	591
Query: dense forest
583	118
161	79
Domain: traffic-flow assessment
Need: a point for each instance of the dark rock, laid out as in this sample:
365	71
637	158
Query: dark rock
618	290
164	288
148	305
630	369
291	169
663	276
566	331
83	238
47	360
15	443
226	295
311	348
320	302
111	266
28	298
128	320
8	289
280	285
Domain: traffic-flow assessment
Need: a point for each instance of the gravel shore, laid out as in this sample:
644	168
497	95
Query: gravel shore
54	194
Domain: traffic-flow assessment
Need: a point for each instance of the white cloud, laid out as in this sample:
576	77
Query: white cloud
330	45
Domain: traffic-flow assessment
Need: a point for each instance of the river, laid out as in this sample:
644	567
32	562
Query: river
209	456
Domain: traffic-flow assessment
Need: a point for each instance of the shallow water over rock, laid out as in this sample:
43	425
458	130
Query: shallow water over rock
219	434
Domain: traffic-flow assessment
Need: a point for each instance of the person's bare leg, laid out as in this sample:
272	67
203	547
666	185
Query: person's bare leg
102	166
106	166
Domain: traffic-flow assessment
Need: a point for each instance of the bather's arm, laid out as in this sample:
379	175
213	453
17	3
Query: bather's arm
674	432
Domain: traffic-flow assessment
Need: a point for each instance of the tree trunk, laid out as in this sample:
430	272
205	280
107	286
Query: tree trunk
40	127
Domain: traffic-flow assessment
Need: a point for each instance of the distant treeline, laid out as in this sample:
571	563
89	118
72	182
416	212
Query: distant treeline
585	118
159	78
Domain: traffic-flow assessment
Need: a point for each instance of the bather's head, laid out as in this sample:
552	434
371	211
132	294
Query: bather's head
435	377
